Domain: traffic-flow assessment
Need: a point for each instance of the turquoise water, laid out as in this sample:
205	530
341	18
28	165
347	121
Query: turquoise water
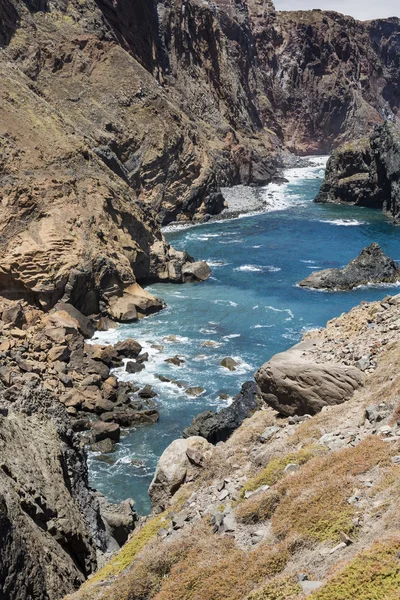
250	307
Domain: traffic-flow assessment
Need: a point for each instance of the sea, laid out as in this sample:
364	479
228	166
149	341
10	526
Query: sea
250	309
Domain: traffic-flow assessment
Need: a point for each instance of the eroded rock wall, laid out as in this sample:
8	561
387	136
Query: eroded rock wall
366	173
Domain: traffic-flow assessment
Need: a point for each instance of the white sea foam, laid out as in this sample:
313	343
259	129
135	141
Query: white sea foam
308	261
231	336
258	268
279	197
343	222
282	310
248	268
262	326
216	263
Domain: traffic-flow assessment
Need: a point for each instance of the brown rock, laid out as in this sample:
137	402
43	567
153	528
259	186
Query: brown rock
134	367
195	271
59	353
293	384
102	430
175	360
128	348
14	315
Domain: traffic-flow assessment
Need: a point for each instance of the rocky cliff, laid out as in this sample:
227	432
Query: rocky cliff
301	501
366	173
116	117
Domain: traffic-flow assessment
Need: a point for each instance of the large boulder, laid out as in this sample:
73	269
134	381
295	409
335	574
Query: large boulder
195	271
294	385
371	266
217	427
174	467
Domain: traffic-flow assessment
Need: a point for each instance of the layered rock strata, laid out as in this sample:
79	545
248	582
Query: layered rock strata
115	118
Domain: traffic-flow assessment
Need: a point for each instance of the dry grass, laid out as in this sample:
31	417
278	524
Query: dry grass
314	503
281	588
128	553
275	469
215	569
372	575
257	508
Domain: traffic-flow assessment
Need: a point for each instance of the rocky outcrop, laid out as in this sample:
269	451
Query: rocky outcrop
178	462
366	173
55	530
218	427
293	384
52	527
371	266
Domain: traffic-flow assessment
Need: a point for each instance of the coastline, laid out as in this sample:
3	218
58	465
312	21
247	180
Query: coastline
247	201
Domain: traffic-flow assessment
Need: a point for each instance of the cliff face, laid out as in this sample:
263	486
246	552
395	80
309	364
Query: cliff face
366	173
332	77
50	520
116	117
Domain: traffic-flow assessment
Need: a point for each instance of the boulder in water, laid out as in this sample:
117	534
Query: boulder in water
371	266
217	427
195	271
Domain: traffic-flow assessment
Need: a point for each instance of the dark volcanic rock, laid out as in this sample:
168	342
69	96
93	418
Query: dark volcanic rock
366	173
217	427
371	266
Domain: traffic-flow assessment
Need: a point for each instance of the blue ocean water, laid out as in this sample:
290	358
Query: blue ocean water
250	309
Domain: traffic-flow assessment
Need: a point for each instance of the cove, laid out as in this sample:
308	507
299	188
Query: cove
250	309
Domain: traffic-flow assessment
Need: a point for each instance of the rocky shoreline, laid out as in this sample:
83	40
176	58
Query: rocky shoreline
244	494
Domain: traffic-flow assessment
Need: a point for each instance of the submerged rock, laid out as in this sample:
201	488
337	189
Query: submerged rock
217	427
371	266
293	385
229	363
195	391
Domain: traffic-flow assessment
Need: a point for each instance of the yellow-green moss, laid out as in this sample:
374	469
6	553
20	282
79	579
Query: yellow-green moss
276	467
372	575
130	550
279	589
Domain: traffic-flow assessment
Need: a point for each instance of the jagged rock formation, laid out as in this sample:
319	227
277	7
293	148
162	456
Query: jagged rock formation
370	266
366	173
217	427
55	531
52	529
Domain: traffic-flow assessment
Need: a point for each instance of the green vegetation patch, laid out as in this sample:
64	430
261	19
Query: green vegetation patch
130	550
274	471
372	575
278	589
